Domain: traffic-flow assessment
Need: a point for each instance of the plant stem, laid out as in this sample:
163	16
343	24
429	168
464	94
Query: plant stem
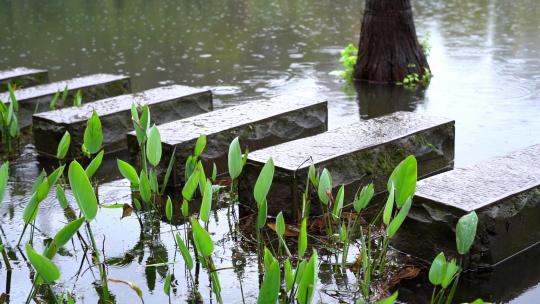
101	266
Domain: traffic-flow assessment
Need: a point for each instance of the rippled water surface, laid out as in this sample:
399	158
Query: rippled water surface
485	58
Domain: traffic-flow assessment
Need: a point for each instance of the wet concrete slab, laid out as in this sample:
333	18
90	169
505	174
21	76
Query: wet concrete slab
259	125
166	104
503	191
93	87
355	155
23	77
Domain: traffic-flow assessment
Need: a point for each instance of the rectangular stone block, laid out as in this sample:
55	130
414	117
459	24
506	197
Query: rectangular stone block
258	125
22	77
503	191
93	87
166	104
355	155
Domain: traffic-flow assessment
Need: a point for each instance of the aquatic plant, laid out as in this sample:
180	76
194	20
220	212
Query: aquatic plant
9	122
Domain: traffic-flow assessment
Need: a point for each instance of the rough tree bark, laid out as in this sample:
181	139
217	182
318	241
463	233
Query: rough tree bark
388	49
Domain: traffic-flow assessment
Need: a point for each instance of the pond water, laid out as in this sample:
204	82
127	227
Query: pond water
485	58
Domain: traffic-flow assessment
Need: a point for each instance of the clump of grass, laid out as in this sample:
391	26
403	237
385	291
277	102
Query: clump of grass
9	121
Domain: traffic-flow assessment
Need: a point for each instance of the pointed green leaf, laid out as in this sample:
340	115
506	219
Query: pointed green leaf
184	251
264	181
4	177
338	205
93	136
206	203
313	176
190	186
94	164
200	145
169	209
144	187
63	236
167	284
289	276
82	190
389	206
261	214
325	186
450	273
437	269
235	159
302	238
269	292
466	232
46	269
280	224
202	239
404	179
214	172
61	197
399	219
390	300
308	281
63	146
153	146
363	199
128	172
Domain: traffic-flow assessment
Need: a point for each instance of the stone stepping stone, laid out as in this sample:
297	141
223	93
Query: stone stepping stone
258	124
355	155
93	87
23	77
166	104
503	191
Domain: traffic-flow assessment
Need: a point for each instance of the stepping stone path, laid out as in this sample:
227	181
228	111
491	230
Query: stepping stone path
258	124
93	87
22	77
166	104
355	155
503	191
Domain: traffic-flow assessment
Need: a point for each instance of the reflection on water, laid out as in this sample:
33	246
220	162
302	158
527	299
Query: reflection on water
485	59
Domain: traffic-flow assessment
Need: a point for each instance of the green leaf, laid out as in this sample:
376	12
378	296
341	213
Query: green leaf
184	251
214	172
63	146
206	203
280	225
169	209
235	159
82	190
145	117
53	177
167	284
202	239
185	208
54	101
200	145
389	206
450	272
325	186
313	176
61	197
93	136
94	164
144	187
308	280
466	232
202	177
153	146
404	179
289	277
63	236
43	266
390	300
338	205
165	182
128	172
153	181
264	181
65	94
437	269
261	214
4	177
363	199
190	186
399	219
269	292
268	258
31	210
302	238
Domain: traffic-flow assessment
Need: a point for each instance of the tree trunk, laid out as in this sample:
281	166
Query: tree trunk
388	49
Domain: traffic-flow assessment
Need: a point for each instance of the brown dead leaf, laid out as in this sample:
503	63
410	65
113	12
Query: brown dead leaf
127	210
406	273
290	230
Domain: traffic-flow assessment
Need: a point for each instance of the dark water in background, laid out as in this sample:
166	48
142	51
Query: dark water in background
485	57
